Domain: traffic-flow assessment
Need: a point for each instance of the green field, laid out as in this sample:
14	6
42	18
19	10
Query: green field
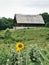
36	38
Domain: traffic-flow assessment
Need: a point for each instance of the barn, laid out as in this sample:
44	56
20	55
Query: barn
28	20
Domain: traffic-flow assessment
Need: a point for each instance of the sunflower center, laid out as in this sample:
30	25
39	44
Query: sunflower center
20	46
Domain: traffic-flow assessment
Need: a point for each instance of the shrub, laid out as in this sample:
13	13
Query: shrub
39	56
47	24
7	36
34	55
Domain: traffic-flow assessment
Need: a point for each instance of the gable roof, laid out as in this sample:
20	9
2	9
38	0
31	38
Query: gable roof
29	19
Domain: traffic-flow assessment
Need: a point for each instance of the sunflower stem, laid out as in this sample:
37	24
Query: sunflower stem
18	58
26	56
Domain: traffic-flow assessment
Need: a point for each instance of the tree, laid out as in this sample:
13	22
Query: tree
46	18
6	23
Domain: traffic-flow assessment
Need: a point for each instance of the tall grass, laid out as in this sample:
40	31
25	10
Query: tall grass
38	37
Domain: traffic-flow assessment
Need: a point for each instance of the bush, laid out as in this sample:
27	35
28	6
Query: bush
47	24
34	55
7	36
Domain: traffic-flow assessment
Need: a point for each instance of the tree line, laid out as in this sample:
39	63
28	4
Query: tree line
8	22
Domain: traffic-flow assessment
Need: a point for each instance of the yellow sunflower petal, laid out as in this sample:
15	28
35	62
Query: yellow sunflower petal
18	50
19	46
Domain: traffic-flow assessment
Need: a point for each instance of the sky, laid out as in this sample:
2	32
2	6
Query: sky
32	7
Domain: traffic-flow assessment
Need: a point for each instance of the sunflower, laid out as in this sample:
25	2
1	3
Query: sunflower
19	46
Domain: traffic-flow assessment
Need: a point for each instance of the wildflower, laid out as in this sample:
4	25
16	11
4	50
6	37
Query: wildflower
19	46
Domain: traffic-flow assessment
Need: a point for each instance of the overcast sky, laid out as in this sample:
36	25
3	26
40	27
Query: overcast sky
9	7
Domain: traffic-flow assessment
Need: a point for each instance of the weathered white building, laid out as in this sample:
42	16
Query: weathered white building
28	20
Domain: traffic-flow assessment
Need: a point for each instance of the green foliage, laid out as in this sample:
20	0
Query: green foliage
8	37
47	37
39	56
47	24
34	55
8	58
46	18
6	23
7	34
36	38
